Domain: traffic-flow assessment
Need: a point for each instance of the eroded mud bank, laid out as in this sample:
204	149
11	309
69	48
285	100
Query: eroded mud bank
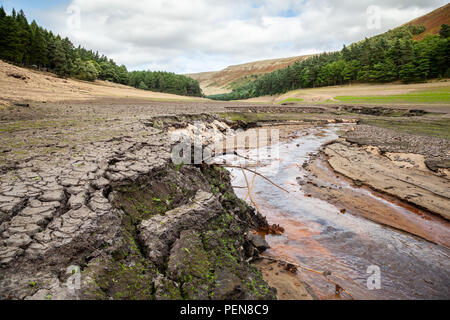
134	225
396	178
351	196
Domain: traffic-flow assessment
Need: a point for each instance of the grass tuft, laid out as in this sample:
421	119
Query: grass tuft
291	100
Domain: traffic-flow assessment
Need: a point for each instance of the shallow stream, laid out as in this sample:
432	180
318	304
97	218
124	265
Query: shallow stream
319	237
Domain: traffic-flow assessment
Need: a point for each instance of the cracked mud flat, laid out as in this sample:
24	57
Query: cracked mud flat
137	226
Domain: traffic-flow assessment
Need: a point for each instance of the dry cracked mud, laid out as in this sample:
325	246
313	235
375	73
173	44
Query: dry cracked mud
135	225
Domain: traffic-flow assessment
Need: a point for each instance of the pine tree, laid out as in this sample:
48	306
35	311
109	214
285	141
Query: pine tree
445	31
59	59
142	86
407	55
442	57
84	70
395	53
423	65
122	74
38	49
70	56
25	37
365	52
2	29
9	40
346	54
384	71
108	71
50	40
408	73
350	71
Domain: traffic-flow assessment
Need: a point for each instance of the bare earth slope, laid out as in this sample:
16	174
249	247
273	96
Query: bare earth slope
219	81
20	84
432	21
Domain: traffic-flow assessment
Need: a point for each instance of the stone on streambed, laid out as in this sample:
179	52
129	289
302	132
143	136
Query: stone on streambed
259	242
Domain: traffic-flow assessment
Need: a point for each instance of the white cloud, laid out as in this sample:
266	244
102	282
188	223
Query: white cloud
204	35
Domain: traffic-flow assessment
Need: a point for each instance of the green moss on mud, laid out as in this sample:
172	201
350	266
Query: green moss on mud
126	274
205	264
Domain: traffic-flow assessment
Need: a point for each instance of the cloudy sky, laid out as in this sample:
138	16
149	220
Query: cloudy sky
186	36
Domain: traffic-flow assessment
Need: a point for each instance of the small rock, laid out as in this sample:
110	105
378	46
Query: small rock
18	240
6	199
259	242
100	183
7	254
31	211
76	201
53	196
69	182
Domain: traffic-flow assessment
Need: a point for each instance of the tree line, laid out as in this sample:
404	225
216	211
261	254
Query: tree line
389	57
28	44
164	82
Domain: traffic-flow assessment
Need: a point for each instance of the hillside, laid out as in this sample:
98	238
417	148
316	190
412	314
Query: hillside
432	21
217	82
432	96
27	85
388	57
223	81
30	45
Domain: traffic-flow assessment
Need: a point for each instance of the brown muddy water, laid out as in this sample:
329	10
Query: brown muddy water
318	236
